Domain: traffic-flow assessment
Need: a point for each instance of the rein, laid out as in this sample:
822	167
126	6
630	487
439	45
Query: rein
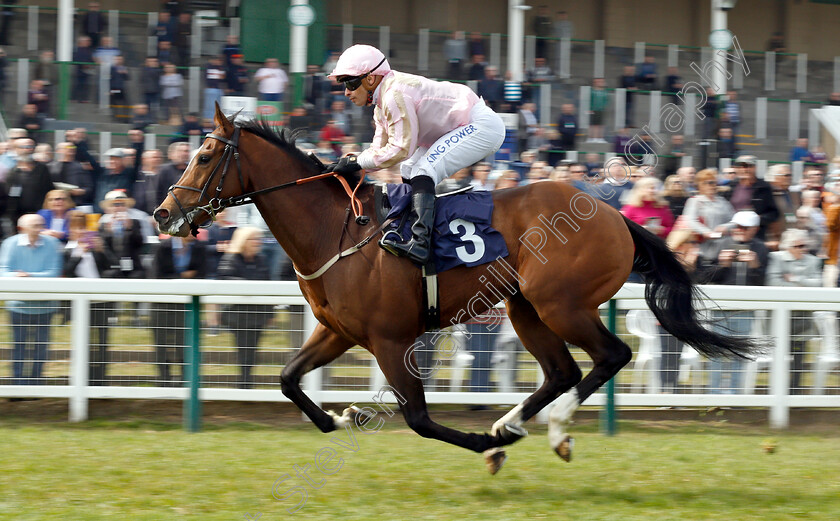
217	204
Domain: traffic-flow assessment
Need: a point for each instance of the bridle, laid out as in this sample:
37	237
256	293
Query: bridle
217	203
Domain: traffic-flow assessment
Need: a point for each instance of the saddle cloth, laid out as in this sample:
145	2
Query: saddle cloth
462	233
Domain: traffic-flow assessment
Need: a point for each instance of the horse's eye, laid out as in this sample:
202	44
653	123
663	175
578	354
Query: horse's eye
203	159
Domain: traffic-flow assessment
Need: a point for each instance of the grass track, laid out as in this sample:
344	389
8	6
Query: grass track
151	470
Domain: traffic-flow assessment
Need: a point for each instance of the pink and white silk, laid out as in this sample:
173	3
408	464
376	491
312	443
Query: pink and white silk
413	111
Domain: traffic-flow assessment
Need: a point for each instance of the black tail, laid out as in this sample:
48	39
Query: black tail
670	294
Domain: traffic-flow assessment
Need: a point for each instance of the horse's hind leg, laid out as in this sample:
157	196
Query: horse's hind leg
609	354
560	370
321	348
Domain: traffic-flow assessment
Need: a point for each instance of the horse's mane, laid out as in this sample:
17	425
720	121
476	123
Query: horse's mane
285	138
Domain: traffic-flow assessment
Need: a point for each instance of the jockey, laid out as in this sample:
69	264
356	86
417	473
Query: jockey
431	129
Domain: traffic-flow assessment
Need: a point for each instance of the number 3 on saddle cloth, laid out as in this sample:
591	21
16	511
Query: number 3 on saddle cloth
462	233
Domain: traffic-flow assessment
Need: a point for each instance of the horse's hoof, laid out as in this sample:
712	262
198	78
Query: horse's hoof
494	459
356	415
564	449
511	433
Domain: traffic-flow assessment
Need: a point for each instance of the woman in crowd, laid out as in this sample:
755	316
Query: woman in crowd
646	207
674	193
243	261
708	214
85	256
792	265
57	206
172	90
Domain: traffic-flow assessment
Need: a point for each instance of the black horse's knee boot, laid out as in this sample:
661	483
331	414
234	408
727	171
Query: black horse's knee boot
419	248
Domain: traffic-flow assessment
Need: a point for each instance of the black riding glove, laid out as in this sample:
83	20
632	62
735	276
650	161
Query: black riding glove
345	165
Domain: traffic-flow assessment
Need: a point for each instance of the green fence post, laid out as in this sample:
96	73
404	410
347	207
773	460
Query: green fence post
63	88
192	406
608	423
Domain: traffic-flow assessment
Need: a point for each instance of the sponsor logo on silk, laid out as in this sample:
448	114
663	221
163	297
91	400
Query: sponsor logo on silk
452	140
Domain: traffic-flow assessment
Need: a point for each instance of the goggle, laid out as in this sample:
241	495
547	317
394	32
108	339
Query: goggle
354	82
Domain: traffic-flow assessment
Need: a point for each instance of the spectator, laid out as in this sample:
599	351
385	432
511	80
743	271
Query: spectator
754	194
119	82
243	261
687	176
776	44
30	254
673	83
491	88
563	27
38	96
176	258
538	172
31	121
164	30
272	81
673	155
684	244
675	195
579	178
513	92
646	73
141	120
627	81
543	27
481	176
47	72
710	113
567	125
151	86
834	99
316	92
541	73
455	51
106	52
793	266
800	152
179	155
237	76
190	127
27	183
708	214
145	189
214	85
726	144
779	177
818	156
231	50
476	45
84	70
481	342
647	208
3	64
739	259
116	175
172	89
476	71
183	39
85	257
122	236
561	174
342	117
56	214
93	23
811	201
598	101
164	53
508	179
65	169
332	134
6	17
528	126
732	107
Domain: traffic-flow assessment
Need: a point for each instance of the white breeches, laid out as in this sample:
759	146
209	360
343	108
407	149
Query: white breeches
459	148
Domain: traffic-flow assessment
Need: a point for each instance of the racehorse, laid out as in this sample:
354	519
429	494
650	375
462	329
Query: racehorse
568	253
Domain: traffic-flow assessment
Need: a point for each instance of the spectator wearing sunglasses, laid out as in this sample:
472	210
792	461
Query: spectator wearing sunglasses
793	266
431	129
751	193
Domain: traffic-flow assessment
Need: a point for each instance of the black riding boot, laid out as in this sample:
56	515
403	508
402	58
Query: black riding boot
419	247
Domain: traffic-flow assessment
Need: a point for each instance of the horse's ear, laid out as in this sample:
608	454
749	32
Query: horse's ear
222	120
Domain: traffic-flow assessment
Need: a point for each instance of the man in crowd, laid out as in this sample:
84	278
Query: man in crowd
753	194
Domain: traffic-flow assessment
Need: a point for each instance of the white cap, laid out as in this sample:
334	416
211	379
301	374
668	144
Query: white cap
746	218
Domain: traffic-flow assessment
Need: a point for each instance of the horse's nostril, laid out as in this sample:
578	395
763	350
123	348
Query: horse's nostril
161	215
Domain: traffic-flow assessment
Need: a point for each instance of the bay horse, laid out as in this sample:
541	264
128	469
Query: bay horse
568	253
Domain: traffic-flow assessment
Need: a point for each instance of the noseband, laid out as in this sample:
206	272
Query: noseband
216	204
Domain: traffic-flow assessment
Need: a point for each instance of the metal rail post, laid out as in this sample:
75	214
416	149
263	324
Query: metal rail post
608	413
192	406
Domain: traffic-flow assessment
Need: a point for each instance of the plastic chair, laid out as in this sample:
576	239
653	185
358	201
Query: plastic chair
690	360
761	363
642	323
829	356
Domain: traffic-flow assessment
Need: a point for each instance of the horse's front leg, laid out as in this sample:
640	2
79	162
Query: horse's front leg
409	388
321	348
